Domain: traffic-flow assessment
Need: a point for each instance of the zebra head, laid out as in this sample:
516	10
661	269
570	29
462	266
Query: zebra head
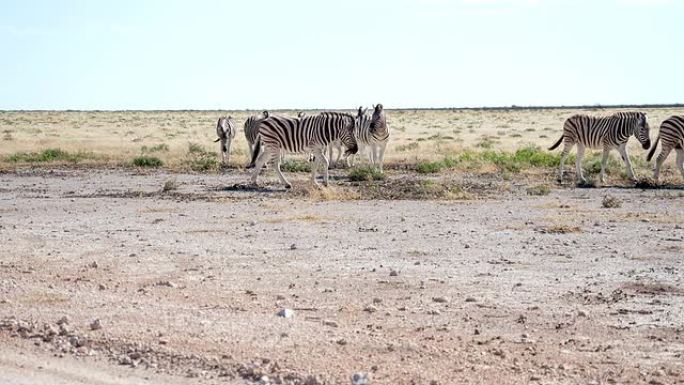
347	136
378	119
641	130
224	131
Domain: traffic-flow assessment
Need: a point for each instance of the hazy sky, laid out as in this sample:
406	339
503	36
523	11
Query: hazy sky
338	54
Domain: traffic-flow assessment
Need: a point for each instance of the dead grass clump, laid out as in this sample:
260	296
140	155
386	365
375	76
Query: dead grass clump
320	193
560	229
647	183
170	185
611	202
539	190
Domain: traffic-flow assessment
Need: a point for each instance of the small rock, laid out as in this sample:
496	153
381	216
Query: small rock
360	379
377	300
101	287
163	341
63	321
280	297
370	309
581	313
135	355
440	299
341	341
76	341
285	313
434	312
95	324
125	360
470	299
393	273
467	246
330	323
293	247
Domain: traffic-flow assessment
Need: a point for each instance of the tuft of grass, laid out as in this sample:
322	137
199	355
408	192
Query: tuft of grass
199	159
407	147
611	202
194	148
170	185
434	167
147	161
162	147
365	174
295	165
539	190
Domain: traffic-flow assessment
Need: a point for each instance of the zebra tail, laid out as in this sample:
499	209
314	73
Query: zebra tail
255	154
556	144
655	145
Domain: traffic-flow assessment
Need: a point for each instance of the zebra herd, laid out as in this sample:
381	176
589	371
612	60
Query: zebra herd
269	137
613	132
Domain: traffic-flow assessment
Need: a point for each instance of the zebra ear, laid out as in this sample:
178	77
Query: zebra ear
265	113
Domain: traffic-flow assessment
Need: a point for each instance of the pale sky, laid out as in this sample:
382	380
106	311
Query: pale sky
201	54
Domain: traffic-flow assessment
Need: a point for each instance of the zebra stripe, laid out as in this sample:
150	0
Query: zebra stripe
307	134
251	128
671	136
608	132
225	130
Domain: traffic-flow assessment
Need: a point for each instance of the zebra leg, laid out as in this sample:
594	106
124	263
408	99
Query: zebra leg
319	156
381	158
604	160
564	156
228	143
284	181
331	151
339	155
578	163
222	143
664	152
263	158
628	163
680	160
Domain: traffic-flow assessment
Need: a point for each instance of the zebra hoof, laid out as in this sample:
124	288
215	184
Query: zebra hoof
288	186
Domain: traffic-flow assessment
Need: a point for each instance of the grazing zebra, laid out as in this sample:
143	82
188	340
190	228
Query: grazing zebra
309	133
225	130
251	130
672	136
609	132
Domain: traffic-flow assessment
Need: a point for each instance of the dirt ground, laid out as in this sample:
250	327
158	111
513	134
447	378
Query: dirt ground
106	279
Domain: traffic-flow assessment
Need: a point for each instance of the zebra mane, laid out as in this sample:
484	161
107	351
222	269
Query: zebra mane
628	115
336	114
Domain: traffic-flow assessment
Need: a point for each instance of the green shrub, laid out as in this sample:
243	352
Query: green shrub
365	174
295	165
147	161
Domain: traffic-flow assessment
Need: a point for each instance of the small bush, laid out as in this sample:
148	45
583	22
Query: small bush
611	202
539	190
147	161
295	165
365	174
433	167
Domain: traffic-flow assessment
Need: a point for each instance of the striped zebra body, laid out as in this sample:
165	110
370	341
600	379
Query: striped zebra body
251	128
307	134
371	132
225	130
610	132
671	136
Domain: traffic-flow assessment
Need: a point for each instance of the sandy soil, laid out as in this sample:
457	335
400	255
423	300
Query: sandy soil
500	288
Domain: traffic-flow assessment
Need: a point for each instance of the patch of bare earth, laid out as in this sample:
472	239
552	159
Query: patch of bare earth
465	279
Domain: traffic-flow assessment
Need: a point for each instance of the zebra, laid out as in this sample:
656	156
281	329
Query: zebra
672	137
251	130
371	132
309	133
225	130
610	132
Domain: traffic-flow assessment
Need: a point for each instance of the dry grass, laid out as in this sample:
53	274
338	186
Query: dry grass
418	136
